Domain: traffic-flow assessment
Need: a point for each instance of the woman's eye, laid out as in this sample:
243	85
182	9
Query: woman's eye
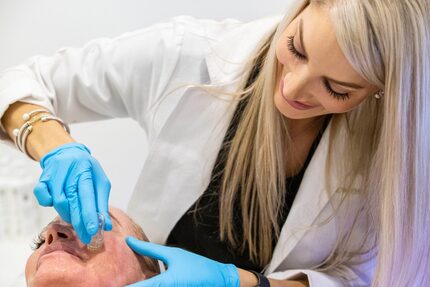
298	55
37	242
293	50
336	95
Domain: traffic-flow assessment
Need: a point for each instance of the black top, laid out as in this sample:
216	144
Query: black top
198	229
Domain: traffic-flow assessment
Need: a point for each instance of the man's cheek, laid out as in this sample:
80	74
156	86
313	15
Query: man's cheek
30	266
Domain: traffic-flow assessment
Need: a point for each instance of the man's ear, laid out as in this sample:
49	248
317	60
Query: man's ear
152	267
149	267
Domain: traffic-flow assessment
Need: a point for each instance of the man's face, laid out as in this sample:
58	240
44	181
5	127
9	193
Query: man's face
63	260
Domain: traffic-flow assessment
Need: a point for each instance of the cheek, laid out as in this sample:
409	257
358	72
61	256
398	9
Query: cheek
30	266
117	262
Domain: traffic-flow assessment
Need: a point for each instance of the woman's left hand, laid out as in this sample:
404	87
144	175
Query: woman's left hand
184	268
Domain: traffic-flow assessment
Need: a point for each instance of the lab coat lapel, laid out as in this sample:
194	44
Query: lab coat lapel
228	57
180	161
310	200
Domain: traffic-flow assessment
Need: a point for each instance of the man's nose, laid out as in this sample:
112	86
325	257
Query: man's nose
57	232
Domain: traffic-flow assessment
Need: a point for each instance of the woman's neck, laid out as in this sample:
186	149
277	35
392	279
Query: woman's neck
301	127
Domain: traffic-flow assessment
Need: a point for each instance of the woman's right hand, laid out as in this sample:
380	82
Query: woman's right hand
75	184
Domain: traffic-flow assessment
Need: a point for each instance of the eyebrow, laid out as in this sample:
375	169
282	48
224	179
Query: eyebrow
346	84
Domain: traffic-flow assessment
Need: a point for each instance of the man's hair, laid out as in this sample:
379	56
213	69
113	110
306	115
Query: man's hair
146	263
149	266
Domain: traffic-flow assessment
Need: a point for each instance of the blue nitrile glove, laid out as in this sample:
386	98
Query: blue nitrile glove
75	184
184	268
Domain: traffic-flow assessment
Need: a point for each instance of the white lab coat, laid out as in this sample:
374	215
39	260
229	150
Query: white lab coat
134	76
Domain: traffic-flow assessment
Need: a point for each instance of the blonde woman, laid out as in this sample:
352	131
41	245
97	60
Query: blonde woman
283	152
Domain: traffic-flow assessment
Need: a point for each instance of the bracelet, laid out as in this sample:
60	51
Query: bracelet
262	280
23	132
27	116
53	118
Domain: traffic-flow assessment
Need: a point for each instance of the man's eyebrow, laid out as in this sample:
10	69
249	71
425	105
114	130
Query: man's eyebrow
350	85
115	219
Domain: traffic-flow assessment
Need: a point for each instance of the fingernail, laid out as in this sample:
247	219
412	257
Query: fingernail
108	225
91	228
130	239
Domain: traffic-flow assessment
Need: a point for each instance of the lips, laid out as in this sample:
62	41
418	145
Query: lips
295	104
298	105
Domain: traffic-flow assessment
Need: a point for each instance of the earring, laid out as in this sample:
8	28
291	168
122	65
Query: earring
379	94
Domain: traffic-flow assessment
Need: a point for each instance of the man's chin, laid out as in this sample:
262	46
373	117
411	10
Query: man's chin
50	274
53	281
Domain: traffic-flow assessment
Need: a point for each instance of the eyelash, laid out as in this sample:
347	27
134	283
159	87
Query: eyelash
293	50
38	241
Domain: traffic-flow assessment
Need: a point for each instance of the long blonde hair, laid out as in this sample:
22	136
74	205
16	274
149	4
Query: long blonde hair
387	141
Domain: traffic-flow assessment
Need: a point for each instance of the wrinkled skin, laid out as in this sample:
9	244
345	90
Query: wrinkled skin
114	265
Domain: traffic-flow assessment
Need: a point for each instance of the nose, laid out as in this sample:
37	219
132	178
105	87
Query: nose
56	232
295	85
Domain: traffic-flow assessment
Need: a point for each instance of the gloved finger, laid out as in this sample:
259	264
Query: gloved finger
42	194
149	249
102	188
88	202
155	281
60	202
76	217
53	179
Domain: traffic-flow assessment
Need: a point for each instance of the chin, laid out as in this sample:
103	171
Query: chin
48	276
54	281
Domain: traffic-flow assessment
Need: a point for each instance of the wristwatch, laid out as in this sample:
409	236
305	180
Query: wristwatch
262	280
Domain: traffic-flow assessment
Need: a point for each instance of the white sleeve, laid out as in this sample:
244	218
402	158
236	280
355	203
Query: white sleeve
120	77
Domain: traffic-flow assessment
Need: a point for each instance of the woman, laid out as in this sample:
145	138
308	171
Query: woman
294	147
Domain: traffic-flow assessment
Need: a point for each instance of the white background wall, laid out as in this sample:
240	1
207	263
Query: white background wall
42	26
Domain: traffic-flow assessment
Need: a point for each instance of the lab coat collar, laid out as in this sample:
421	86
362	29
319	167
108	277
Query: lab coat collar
226	61
310	200
312	206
